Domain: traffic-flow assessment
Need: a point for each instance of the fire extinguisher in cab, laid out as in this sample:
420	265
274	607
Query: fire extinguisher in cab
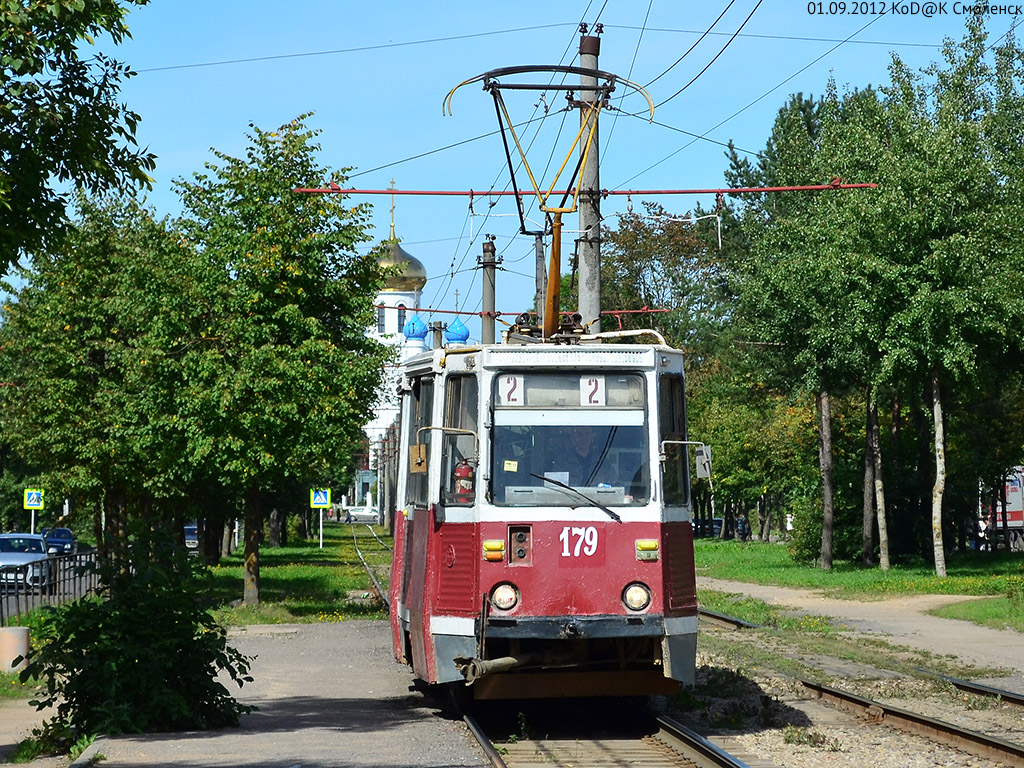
463	483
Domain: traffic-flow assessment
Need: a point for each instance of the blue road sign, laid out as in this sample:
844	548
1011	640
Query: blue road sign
33	498
320	498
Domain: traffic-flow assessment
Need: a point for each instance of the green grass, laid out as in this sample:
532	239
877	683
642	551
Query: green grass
758	612
10	688
792	644
302	583
995	612
969	573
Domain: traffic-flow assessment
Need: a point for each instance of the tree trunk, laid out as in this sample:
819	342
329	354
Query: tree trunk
867	548
253	529
876	456
274	536
225	539
940	479
827	479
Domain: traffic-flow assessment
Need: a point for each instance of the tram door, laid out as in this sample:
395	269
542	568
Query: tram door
417	504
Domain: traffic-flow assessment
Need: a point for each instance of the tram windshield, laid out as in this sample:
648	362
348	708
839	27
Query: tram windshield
564	439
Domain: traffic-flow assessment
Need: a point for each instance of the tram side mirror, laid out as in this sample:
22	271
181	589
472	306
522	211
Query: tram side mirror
703	461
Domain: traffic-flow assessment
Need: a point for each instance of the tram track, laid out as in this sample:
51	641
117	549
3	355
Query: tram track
672	743
978	689
724	620
935	730
917	705
667	744
380	593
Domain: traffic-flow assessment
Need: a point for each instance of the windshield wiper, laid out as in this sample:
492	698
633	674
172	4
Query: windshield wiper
611	513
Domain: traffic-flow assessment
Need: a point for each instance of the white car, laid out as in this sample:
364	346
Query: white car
25	561
362	515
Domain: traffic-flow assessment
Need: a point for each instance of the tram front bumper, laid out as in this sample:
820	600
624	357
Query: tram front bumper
574	627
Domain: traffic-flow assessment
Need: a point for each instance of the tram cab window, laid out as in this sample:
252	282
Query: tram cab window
421	404
555	432
459	470
672	422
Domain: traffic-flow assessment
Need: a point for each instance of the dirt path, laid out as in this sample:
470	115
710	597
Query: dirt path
902	619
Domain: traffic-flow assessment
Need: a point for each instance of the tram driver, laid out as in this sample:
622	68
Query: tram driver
582	462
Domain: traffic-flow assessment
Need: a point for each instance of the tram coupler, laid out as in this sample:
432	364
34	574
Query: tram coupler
474	669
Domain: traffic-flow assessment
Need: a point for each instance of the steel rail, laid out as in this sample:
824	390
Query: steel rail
939	731
493	757
376	584
722	618
695	747
379	539
969	686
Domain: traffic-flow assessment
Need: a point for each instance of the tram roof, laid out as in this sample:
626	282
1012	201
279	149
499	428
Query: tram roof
545	355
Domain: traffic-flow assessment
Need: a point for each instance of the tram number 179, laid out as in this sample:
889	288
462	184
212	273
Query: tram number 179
578	540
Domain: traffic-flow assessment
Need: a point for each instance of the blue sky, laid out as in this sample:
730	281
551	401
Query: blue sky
375	75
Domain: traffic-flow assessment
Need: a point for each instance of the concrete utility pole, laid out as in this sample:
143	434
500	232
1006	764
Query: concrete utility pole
590	192
487	319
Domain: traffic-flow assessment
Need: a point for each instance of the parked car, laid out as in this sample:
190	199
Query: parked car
361	515
61	538
713	528
25	559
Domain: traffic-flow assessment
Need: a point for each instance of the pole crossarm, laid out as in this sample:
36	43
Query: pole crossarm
490	81
335	189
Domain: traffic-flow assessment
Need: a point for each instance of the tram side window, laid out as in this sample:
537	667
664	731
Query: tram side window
459	468
422	404
672	420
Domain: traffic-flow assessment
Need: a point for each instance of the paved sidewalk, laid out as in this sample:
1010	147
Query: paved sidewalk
901	619
328	695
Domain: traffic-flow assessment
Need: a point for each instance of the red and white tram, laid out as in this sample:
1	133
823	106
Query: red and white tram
543	541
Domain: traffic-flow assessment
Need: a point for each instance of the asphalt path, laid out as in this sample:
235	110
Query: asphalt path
328	695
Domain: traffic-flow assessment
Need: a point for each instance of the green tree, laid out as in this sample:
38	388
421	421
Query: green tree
912	288
801	299
91	346
947	219
60	120
285	375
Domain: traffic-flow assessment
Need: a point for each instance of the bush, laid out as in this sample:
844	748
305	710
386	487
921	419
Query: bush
805	539
143	657
1015	592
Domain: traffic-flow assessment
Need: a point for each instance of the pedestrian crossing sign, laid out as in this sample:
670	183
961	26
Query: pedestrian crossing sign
320	498
33	498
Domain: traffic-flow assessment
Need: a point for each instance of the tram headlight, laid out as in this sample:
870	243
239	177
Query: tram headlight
504	597
636	596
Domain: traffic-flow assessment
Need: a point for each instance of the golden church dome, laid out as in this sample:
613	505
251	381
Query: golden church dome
413	275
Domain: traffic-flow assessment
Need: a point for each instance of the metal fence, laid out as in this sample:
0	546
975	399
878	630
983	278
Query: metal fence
58	579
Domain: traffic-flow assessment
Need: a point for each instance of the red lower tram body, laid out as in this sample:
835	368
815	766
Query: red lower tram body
598	607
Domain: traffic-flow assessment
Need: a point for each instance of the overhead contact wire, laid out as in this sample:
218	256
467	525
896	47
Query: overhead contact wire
749	105
708	66
690	49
